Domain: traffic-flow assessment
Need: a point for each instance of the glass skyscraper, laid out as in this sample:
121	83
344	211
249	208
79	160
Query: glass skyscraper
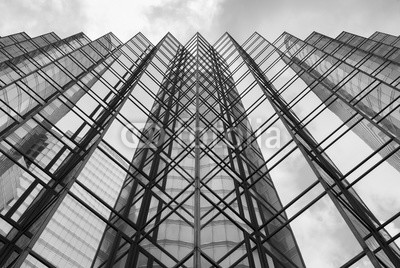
261	154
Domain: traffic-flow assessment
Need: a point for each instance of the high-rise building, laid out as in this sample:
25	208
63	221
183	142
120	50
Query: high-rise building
261	154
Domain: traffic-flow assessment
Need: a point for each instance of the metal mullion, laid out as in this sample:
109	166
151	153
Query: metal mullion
21	48
52	134
24	230
57	93
249	110
88	40
40	124
388	54
221	139
197	182
250	252
351	75
168	205
185	126
205	256
173	210
240	164
107	66
166	65
147	90
141	37
48	55
228	205
41	259
222	211
241	77
126	169
228	171
133	253
154	79
227	57
168	50
330	169
314	65
221	48
112	210
325	192
224	46
113	226
148	56
288	47
184	259
36	177
317	82
176	163
129	48
348	120
210	126
254	36
59	197
103	58
250	185
220	41
314	158
253	49
355	68
274	50
122	64
362	217
51	62
132	42
241	95
177	115
373	48
210	108
110	50
350	185
248	39
21	199
17	60
171	147
358	111
12	38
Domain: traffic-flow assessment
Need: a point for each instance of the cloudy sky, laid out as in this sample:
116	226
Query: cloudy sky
209	17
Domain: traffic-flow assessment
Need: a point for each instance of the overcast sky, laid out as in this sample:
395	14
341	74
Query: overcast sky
241	18
209	17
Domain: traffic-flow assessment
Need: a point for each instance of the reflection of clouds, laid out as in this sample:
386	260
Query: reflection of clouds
323	237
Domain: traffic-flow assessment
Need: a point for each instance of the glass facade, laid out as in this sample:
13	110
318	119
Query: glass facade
227	155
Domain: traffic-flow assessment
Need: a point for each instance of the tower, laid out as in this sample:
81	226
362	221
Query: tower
139	155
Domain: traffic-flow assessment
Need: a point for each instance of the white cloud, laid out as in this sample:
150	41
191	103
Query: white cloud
154	18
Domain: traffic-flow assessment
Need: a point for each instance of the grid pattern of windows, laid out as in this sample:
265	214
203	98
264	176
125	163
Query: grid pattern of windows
227	155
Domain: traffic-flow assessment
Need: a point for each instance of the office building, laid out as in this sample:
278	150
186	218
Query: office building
196	155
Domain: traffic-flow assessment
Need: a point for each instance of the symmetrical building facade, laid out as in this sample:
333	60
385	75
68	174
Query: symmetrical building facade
227	155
